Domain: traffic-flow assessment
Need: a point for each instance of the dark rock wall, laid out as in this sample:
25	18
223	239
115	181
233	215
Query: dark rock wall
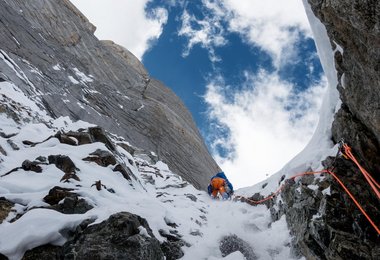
324	221
355	27
117	93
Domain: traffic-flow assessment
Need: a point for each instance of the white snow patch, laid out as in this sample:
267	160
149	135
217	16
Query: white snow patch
73	80
57	67
143	231
83	77
327	191
313	187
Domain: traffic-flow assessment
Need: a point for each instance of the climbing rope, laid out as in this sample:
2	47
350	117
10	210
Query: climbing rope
346	151
374	185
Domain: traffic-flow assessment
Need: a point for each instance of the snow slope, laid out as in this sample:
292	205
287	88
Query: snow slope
156	194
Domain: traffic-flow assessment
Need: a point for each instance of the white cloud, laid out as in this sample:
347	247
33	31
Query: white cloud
272	25
125	22
209	33
267	122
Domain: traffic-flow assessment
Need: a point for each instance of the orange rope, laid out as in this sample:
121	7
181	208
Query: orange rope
313	173
355	201
281	187
374	185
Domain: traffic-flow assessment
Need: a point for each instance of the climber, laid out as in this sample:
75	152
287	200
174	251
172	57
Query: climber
220	184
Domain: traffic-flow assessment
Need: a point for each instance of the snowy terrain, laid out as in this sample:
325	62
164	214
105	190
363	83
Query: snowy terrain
156	194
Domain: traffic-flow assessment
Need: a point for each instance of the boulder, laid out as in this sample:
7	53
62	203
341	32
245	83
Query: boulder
328	225
122	236
125	171
172	246
43	252
31	166
101	157
98	135
63	163
66	202
5	208
233	243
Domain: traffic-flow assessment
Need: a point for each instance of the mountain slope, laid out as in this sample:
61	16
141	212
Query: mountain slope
58	210
49	51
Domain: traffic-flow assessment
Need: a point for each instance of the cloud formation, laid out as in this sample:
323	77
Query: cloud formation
125	22
272	25
209	33
267	123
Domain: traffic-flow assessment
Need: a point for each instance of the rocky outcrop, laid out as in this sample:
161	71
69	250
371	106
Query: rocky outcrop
5	208
324	221
48	50
122	236
233	243
355	27
67	202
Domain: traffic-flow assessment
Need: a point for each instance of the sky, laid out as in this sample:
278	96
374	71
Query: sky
247	70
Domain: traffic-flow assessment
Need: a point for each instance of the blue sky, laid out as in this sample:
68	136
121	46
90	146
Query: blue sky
247	70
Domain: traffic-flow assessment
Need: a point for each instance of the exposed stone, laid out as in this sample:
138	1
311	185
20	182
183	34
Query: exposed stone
119	237
3	257
42	159
330	226
70	175
66	202
125	171
101	157
191	197
98	135
13	145
5	208
2	151
81	137
62	162
172	247
57	194
31	166
43	252
112	85
66	139
98	185
233	243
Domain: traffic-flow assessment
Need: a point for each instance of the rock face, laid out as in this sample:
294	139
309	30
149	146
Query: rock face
122	236
233	243
355	26
324	221
48	49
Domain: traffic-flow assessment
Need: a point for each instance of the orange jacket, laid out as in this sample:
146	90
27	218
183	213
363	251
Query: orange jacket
217	185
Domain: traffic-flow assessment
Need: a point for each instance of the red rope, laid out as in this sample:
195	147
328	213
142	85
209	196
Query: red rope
355	201
313	173
374	185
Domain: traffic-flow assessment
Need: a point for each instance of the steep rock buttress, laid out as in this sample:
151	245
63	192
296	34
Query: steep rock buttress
48	50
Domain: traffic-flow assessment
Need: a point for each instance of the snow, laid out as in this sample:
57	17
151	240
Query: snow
40	225
157	194
83	77
13	65
57	67
73	80
320	145
327	191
